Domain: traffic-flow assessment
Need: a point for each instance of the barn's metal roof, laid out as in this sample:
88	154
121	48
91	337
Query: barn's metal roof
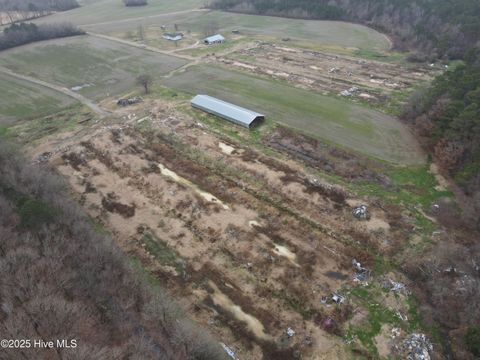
234	113
214	38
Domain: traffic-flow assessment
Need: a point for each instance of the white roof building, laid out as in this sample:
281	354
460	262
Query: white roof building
215	39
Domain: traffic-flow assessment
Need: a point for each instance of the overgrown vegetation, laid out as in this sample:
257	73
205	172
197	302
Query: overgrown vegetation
472	339
446	117
62	279
25	33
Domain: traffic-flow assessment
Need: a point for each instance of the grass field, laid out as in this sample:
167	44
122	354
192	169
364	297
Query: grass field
92	12
303	33
336	33
108	67
23	100
367	131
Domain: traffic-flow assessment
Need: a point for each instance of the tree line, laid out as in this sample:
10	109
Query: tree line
38	5
63	279
21	10
24	33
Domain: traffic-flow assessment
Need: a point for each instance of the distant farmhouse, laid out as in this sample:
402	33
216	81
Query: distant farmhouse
236	114
173	36
215	39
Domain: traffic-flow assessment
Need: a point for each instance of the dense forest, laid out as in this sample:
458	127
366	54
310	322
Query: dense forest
24	33
62	279
442	28
446	117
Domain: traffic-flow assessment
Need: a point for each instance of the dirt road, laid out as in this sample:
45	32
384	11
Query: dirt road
141	46
92	105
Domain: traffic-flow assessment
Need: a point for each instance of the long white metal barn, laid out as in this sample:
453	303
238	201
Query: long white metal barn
236	114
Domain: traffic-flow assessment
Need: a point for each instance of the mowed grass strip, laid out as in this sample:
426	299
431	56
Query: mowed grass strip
23	100
103	67
332	119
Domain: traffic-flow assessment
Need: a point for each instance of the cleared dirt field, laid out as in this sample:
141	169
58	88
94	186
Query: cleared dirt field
96	68
366	131
23	100
374	81
252	245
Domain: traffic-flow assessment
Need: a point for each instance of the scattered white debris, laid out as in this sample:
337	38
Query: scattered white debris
338	299
360	212
349	339
139	121
290	332
80	87
396	286
401	316
253	223
358	266
229	351
395	332
418	347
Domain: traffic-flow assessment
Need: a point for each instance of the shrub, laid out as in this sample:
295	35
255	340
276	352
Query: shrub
472	340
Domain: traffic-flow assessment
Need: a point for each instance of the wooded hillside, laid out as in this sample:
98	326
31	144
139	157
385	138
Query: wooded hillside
62	279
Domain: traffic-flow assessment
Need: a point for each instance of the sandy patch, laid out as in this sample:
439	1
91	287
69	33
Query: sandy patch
253	324
207	196
227	149
442	182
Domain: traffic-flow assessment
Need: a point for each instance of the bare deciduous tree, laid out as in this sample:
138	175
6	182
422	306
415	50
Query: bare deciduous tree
145	81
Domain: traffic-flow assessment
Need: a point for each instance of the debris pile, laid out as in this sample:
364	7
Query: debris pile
352	91
361	212
44	157
417	347
394	286
361	273
338	299
129	101
290	332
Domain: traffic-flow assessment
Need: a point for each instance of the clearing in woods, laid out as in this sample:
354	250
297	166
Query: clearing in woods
361	129
96	68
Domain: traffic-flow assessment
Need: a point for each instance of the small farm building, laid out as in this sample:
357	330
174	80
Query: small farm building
173	36
236	114
215	39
